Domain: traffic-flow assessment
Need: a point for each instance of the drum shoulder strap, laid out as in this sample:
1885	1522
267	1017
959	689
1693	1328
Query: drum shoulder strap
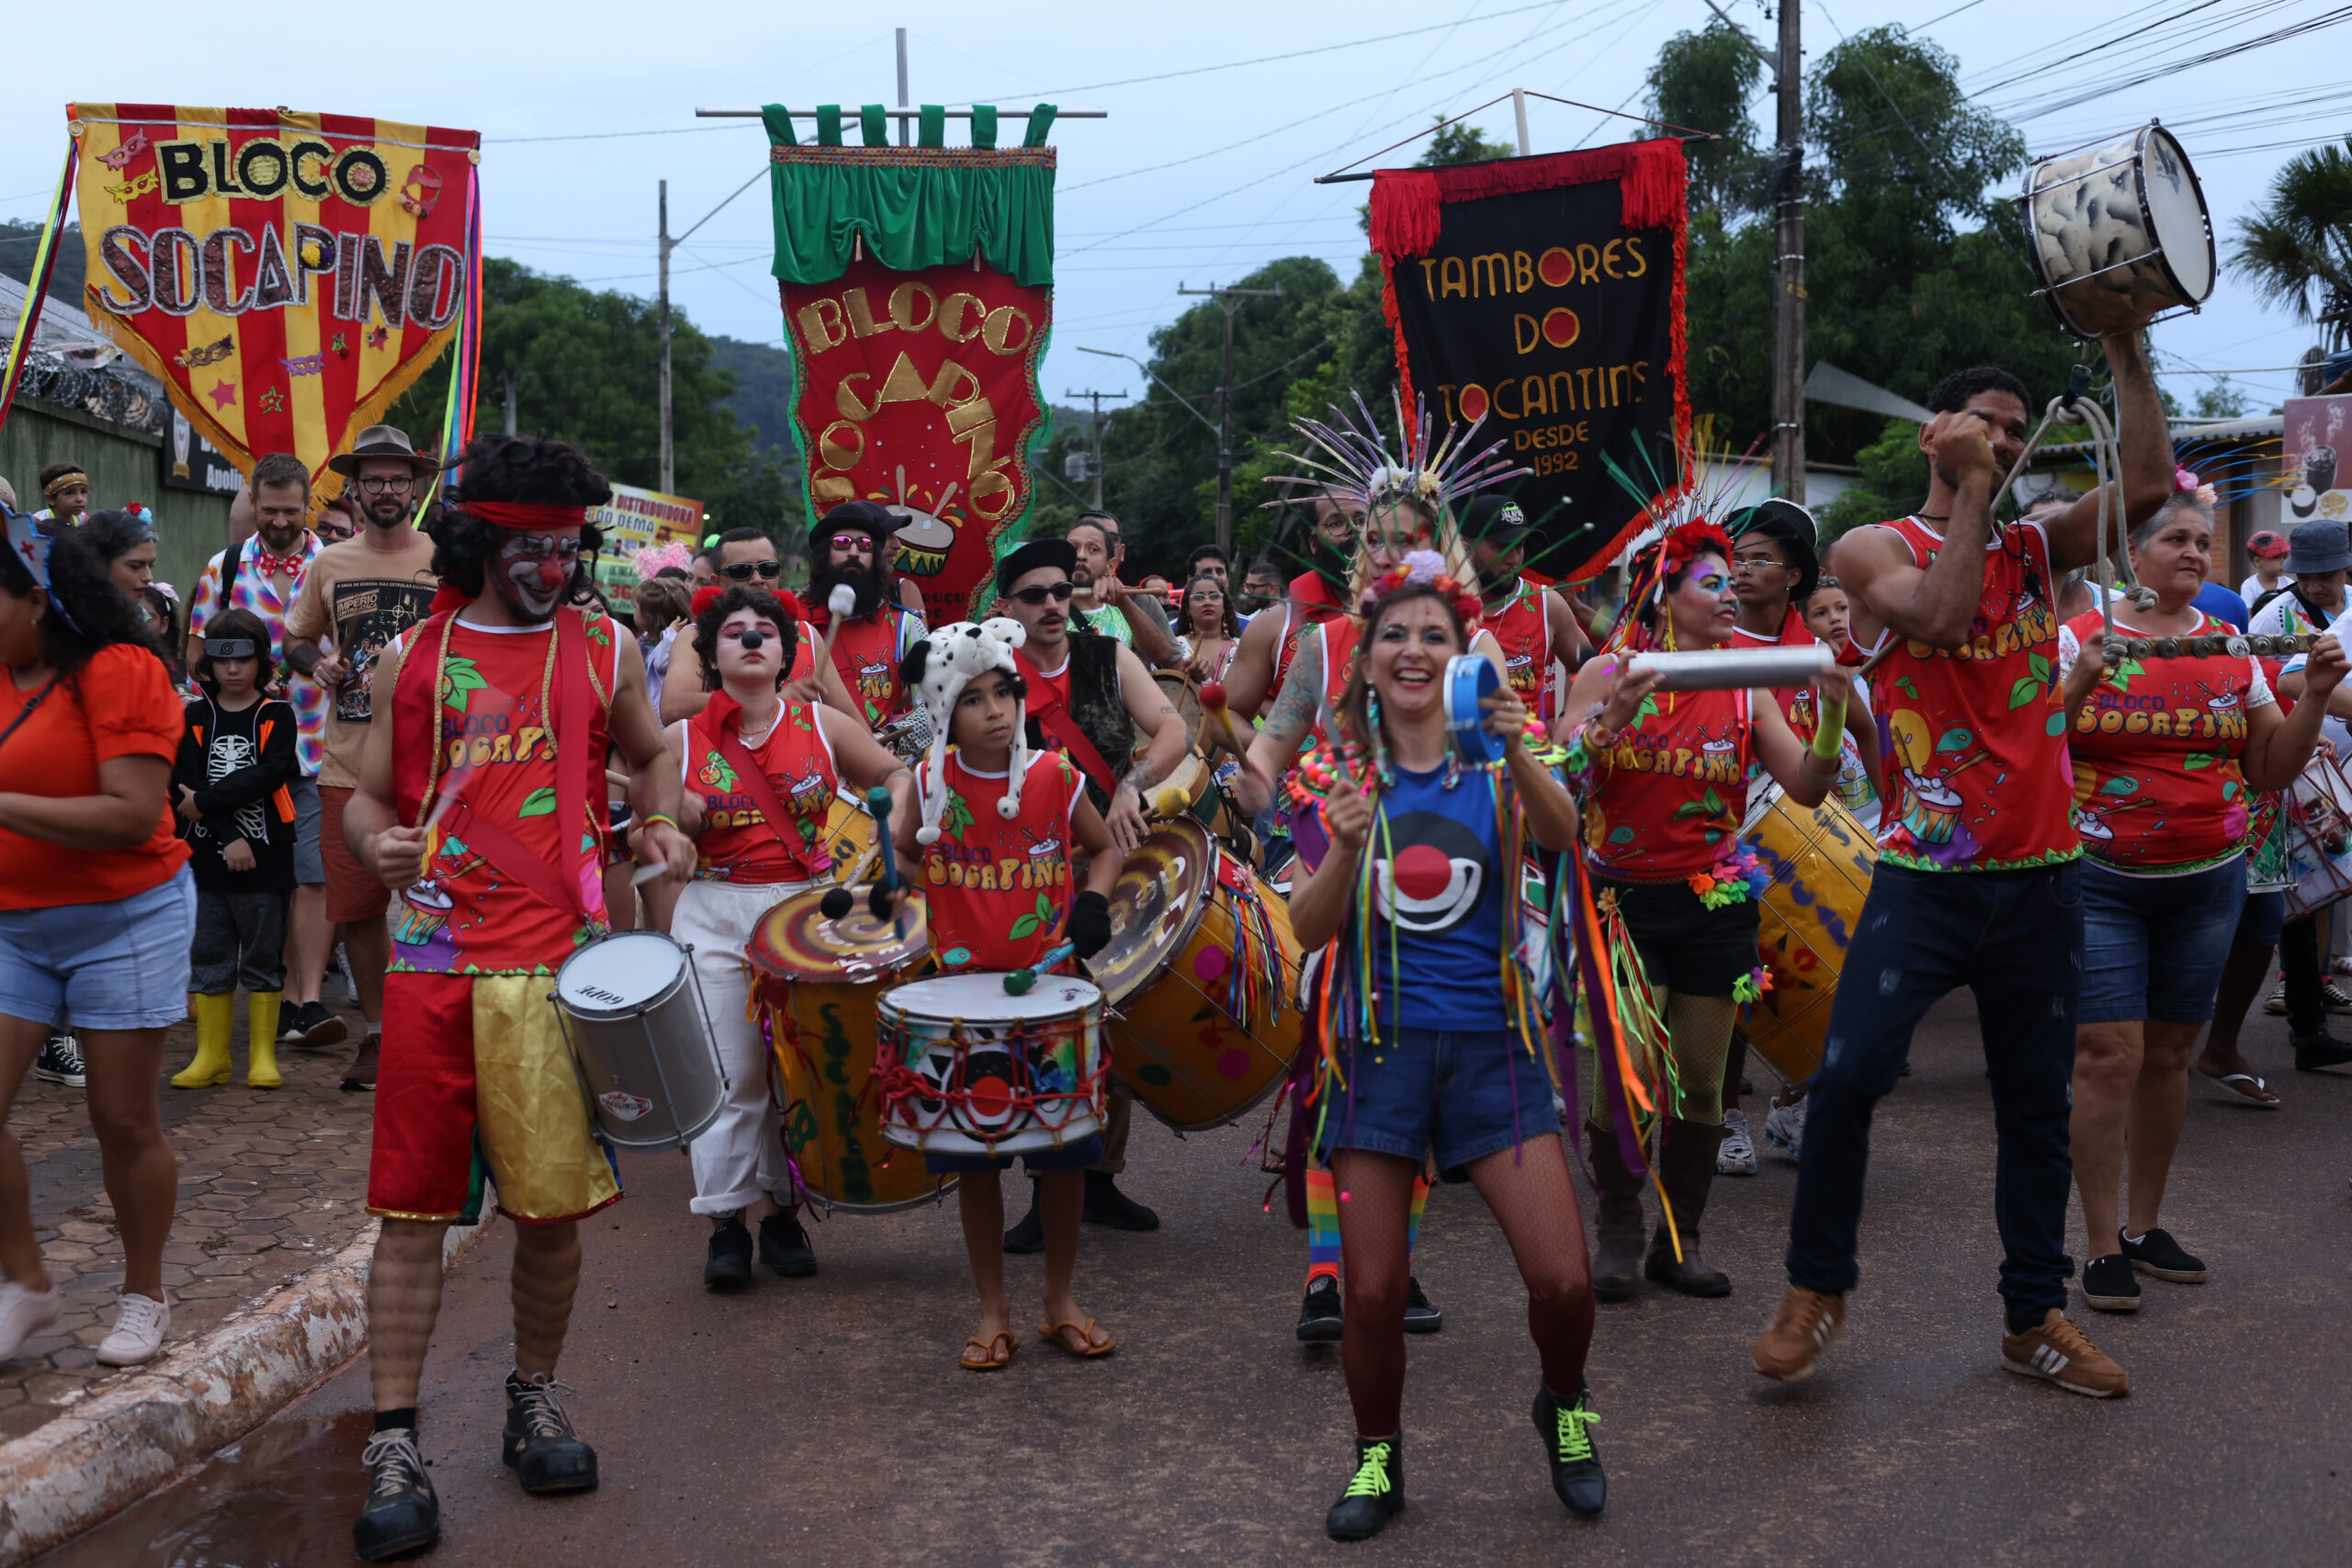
755	783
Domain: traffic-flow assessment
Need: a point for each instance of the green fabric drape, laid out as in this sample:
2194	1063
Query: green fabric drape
779	124
915	207
871	126
983	125
829	125
932	125
1041	121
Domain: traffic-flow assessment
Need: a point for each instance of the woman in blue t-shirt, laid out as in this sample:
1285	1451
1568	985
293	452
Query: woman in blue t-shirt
1434	1041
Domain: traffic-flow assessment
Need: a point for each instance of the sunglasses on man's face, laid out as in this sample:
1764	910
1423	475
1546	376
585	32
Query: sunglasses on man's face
745	570
1038	592
858	543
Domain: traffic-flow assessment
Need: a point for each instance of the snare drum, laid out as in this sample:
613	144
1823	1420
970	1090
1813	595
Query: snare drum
1201	972
2119	234
975	1071
640	1040
819	983
1820	861
2319	838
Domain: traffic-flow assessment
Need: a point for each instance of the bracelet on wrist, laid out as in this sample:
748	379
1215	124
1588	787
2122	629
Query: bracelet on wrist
663	818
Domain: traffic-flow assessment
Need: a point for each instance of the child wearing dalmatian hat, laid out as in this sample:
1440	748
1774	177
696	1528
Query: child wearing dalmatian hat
990	846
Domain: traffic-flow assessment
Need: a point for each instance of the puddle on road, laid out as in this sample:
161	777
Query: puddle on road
283	1497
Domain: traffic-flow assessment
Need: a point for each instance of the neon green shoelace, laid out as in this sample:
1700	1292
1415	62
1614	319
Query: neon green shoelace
1371	1475
1576	1442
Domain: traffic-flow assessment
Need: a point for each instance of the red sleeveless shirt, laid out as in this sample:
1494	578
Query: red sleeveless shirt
1306	604
1524	630
1668	797
999	891
1978	777
1795	701
867	654
736	843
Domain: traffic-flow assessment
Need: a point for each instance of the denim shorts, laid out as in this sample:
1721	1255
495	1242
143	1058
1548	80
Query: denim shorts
310	865
119	965
1087	1151
2154	946
2263	918
1465	1095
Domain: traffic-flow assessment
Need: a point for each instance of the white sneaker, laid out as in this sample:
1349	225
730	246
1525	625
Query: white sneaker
1736	1154
2342	965
1785	1127
24	1312
2332	995
2277	1004
139	1324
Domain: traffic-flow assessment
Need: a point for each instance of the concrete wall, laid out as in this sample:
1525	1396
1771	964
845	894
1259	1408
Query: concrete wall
124	465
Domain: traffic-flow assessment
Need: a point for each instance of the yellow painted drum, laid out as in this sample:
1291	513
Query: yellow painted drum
820	983
1820	859
849	833
1202	977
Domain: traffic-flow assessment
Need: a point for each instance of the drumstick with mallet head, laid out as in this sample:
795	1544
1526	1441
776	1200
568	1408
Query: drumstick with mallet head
839	605
1213	703
1022	981
838	897
877	803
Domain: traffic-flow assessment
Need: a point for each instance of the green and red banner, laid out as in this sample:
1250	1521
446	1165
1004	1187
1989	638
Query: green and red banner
917	286
1546	294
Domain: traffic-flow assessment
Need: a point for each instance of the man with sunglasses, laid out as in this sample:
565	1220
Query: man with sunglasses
845	550
1092	699
743	557
1271	641
1102	603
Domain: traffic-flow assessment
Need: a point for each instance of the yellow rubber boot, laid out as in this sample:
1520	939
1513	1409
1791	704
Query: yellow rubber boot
215	1017
261	1039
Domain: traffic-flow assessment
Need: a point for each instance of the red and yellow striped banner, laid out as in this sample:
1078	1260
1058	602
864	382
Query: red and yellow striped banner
287	276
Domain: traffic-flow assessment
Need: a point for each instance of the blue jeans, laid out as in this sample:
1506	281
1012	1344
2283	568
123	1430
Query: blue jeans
2154	946
2014	938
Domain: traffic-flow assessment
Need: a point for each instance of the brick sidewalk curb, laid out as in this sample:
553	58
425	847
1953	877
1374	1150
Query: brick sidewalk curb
92	1460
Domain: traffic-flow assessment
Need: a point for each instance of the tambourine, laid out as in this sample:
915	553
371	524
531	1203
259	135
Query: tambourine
1470	678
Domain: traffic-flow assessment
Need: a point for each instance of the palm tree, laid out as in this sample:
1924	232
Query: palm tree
2297	249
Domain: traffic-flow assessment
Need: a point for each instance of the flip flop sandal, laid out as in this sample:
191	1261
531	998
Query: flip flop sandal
1053	1335
2235	1085
988	1363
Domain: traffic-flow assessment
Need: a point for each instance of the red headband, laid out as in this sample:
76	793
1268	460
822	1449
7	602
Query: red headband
525	513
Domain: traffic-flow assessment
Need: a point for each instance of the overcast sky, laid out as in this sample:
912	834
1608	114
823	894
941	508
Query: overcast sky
1194	177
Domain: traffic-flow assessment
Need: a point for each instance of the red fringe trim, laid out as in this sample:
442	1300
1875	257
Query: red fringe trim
1651	179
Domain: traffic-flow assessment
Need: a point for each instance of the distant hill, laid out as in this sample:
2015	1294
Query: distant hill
763	398
19	239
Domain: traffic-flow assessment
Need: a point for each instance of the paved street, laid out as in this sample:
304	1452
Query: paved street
824	1422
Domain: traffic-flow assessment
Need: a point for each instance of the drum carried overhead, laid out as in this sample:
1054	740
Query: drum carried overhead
1821	860
640	1038
1202	976
972	1070
2119	234
820	983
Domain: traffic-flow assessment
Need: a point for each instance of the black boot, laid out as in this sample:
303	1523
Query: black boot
1568	1445
1029	1234
1686	1169
1375	1493
402	1514
730	1266
1106	1205
539	1445
783	1246
1617	1251
1421	1314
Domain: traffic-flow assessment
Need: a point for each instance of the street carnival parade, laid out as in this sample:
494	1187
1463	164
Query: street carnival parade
1660	693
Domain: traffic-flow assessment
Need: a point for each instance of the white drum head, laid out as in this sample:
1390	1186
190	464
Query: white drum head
980	997
2177	213
621	973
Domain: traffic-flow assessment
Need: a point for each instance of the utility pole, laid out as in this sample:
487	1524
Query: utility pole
1788	314
1230	299
511	378
902	86
1095	439
669	467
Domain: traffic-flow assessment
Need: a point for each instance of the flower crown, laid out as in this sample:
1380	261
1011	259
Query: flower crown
1423	568
2185	482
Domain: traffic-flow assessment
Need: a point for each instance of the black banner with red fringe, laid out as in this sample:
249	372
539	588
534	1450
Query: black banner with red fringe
1546	295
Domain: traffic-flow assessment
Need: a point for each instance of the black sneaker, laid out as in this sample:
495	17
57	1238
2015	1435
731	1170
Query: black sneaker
314	1026
539	1445
402	1513
60	1062
1577	1477
1322	1316
2314	1051
1375	1493
1422	1315
1106	1205
783	1246
2159	1257
1028	1232
2108	1285
729	1266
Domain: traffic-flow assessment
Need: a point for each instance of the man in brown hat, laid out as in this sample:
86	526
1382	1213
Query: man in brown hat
358	596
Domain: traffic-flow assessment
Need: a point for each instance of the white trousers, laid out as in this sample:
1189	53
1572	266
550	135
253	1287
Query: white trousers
740	1155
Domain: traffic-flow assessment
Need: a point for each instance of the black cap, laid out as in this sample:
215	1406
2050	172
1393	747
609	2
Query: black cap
868	518
1783	520
1032	556
1496	519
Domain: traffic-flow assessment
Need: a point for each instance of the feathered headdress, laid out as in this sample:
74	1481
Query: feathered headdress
937	668
1683	515
650	560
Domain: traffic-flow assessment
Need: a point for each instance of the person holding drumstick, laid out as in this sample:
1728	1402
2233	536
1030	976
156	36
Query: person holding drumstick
991	802
2163	811
1432	1038
1664	781
759	767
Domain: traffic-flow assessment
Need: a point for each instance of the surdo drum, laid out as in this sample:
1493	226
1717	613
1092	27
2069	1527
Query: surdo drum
2119	234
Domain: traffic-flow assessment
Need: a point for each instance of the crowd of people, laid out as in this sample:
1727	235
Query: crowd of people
406	735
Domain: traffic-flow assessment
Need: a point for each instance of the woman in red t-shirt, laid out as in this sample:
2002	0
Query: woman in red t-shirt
98	908
747	863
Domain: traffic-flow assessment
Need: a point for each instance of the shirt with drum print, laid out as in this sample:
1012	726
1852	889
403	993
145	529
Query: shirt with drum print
467	915
867	653
1522	626
999	891
736	843
1668	799
1974	737
2156	750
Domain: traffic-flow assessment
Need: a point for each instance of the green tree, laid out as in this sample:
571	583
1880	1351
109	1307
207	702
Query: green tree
20	242
1706	81
1894	477
1459	143
2297	247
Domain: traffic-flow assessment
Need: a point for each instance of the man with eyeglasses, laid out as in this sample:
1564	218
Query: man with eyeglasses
1089	698
845	551
743	557
338	520
1103	604
356	598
